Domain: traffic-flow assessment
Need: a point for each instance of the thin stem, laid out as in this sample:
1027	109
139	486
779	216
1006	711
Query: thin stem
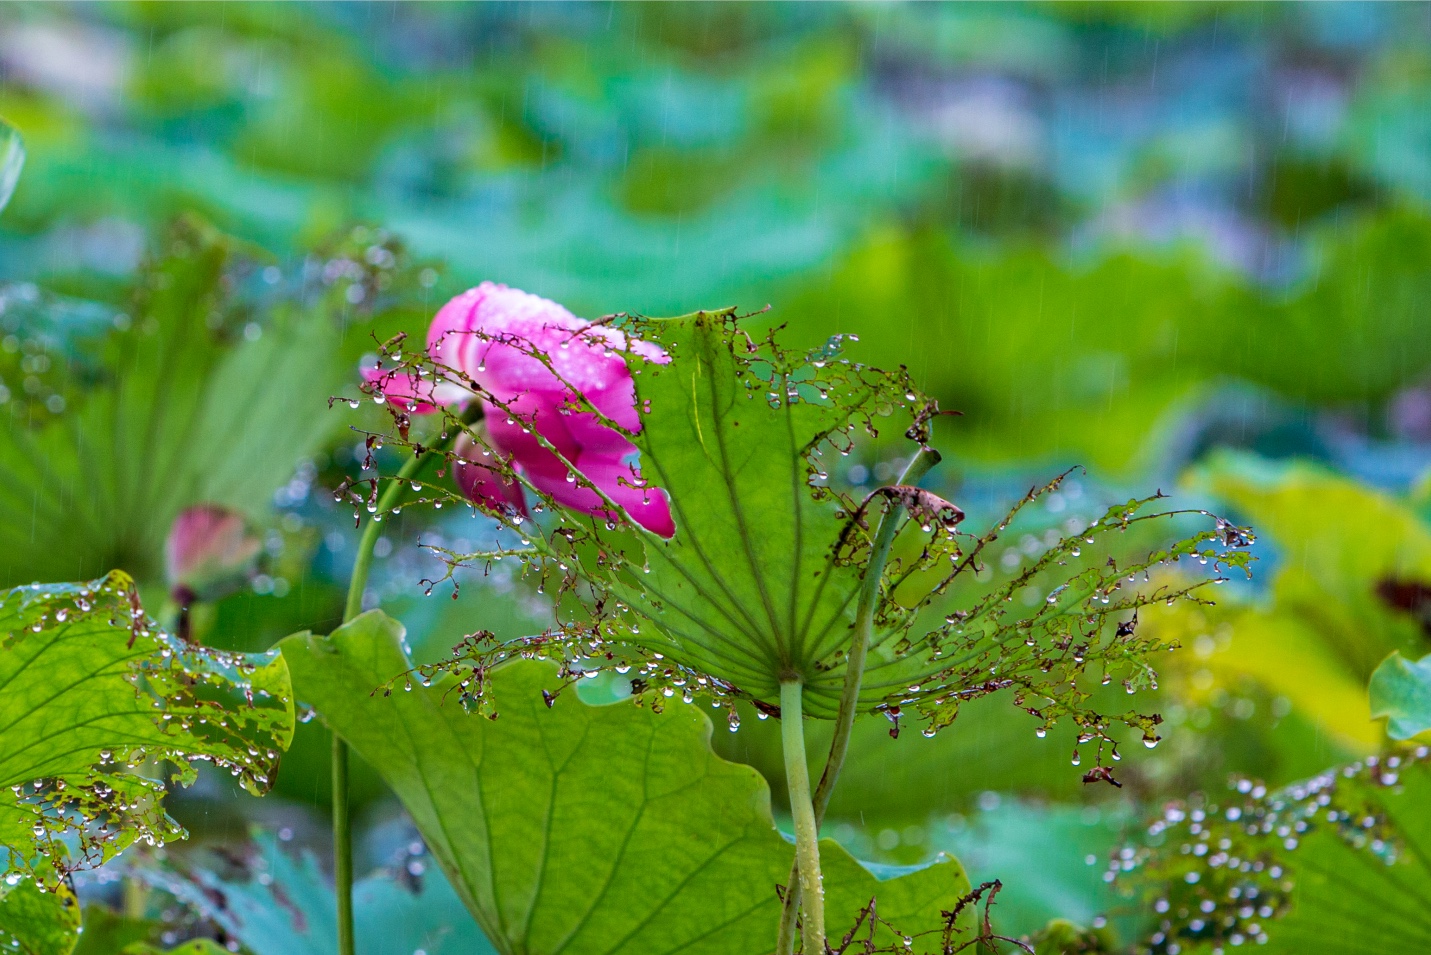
357	584
807	847
363	563
342	847
921	465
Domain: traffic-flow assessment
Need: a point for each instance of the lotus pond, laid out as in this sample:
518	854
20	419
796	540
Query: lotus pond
636	479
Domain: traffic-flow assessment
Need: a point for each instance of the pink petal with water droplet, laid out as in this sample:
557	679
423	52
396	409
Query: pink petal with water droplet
481	483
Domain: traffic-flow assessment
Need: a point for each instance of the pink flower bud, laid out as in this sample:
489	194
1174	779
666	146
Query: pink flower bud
209	553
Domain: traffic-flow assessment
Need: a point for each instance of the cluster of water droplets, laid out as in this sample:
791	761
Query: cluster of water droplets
1219	874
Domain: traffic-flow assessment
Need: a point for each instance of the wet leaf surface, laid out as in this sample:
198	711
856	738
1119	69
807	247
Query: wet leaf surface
95	697
1335	865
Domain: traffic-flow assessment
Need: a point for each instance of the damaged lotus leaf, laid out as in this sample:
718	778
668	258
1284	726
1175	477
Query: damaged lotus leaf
93	697
761	581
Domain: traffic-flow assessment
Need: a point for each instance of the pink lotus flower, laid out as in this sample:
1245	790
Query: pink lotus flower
493	334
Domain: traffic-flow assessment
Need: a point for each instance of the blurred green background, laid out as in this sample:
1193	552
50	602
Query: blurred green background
1187	246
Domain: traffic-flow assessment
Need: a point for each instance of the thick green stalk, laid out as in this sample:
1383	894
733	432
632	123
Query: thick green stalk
807	830
362	565
921	465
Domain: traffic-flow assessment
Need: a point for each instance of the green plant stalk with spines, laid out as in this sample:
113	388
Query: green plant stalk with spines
921	465
807	830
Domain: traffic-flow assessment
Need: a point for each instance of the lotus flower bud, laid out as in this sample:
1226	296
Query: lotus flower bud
210	552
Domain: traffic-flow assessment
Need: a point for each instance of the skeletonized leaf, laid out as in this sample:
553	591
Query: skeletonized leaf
760	582
579	828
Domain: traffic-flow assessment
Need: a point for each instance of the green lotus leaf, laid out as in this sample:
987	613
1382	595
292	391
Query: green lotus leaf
1401	691
580	828
760	582
754	586
95	697
36	920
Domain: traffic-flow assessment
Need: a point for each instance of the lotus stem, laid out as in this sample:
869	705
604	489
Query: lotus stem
807	830
921	465
342	847
357	584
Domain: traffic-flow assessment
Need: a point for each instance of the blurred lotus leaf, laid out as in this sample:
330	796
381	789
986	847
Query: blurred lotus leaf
12	159
1401	691
1343	554
1001	335
275	904
188	403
